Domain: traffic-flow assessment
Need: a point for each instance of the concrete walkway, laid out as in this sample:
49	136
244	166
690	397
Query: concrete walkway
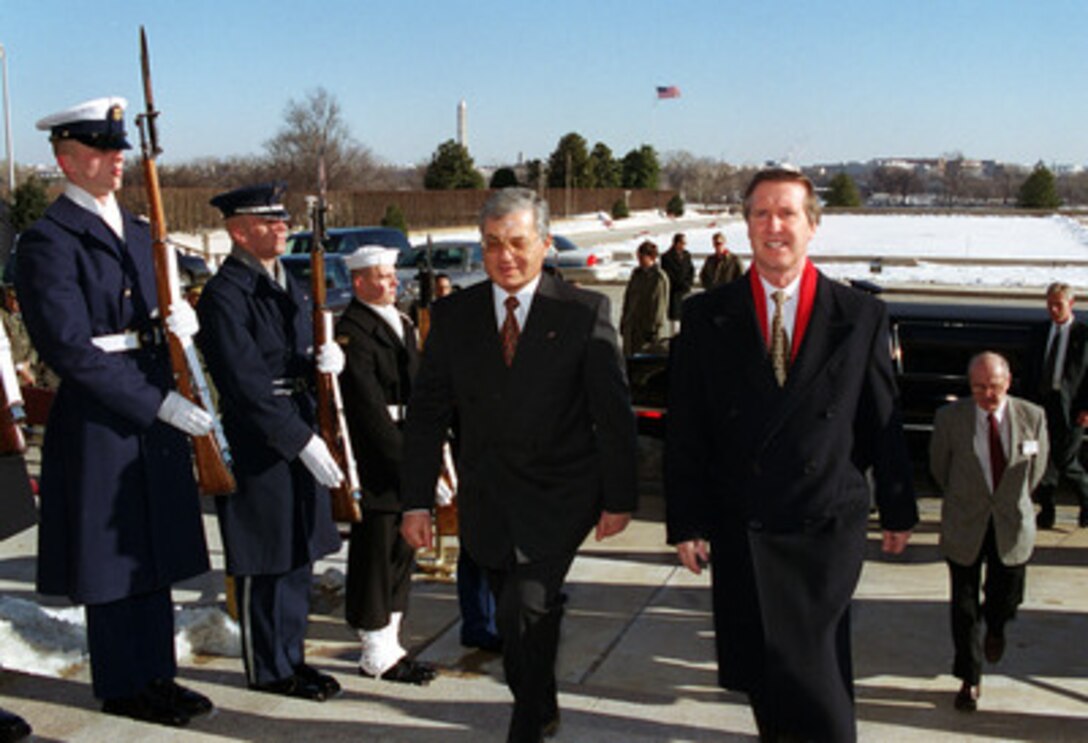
636	658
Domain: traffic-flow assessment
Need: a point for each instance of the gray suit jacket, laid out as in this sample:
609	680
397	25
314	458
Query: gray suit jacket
968	503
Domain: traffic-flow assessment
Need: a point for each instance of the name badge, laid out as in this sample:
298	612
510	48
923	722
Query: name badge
1029	448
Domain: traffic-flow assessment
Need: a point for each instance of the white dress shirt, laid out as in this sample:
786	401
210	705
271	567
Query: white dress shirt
525	300
789	307
109	212
982	438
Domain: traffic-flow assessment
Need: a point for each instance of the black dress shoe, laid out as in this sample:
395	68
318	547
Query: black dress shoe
993	646
293	686
967	697
1082	520
491	644
146	706
406	671
12	727
329	684
192	703
1045	519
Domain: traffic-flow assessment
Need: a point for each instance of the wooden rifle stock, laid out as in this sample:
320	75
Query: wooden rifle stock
211	453
12	416
347	496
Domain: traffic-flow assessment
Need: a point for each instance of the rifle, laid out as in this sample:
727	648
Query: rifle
211	453
346	496
12	415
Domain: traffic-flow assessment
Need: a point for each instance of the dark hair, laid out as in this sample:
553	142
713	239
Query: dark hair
784	175
647	248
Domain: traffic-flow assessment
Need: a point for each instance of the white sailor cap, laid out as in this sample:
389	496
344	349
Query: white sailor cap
99	123
371	255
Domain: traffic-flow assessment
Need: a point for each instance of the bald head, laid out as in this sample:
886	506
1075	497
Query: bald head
989	375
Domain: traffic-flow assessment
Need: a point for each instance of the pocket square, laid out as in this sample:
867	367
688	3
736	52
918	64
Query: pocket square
1029	448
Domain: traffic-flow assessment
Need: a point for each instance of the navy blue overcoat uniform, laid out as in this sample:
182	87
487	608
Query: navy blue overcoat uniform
257	341
120	515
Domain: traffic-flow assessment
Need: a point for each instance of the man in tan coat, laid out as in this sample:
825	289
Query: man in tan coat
987	454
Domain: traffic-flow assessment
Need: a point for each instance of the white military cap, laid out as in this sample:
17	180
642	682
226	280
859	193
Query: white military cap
371	255
99	123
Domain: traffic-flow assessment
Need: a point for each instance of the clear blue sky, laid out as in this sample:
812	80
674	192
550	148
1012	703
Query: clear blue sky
815	81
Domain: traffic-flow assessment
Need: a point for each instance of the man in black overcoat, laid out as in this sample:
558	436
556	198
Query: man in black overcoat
530	366
781	397
120	515
257	337
382	354
1061	373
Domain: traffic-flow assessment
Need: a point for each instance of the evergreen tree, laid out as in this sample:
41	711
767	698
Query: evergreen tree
504	178
394	218
604	170
451	167
29	203
641	168
1039	191
675	207
534	174
570	150
620	209
842	191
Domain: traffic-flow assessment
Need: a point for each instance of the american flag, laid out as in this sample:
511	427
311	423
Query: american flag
667	91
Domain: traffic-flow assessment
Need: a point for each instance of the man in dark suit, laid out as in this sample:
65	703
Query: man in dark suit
1062	386
781	397
120	518
256	337
677	264
987	454
382	358
531	368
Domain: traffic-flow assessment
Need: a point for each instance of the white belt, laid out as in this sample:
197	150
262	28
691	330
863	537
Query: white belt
118	342
396	412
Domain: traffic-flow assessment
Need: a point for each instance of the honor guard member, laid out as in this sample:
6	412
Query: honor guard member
120	515
257	340
382	358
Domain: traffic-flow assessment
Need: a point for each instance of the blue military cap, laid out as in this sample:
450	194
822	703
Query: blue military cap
261	200
98	123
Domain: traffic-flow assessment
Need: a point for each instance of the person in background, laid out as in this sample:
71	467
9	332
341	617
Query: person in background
678	266
644	317
722	266
986	455
1062	388
257	338
781	397
382	358
120	515
530	368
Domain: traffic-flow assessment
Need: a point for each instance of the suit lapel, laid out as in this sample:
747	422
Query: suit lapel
734	319
822	351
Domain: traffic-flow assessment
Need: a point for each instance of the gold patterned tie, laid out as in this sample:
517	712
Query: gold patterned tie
779	344
509	332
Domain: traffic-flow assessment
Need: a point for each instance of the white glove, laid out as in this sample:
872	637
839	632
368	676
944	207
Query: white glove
182	320
315	455
443	494
184	415
330	358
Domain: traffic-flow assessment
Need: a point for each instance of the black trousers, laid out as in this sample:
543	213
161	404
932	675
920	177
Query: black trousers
131	643
1004	589
273	611
379	571
1065	444
529	601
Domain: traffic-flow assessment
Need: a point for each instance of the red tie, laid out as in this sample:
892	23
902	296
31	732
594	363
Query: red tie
997	452
509	332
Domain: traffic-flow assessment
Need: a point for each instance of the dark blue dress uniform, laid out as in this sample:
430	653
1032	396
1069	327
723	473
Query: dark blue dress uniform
257	339
120	515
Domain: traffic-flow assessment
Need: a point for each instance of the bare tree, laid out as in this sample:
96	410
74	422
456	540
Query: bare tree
312	128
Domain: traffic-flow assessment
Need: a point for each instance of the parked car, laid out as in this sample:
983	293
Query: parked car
581	264
461	260
346	240
337	278
193	270
932	343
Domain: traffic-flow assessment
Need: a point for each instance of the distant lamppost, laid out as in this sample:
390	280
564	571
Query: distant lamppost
7	125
